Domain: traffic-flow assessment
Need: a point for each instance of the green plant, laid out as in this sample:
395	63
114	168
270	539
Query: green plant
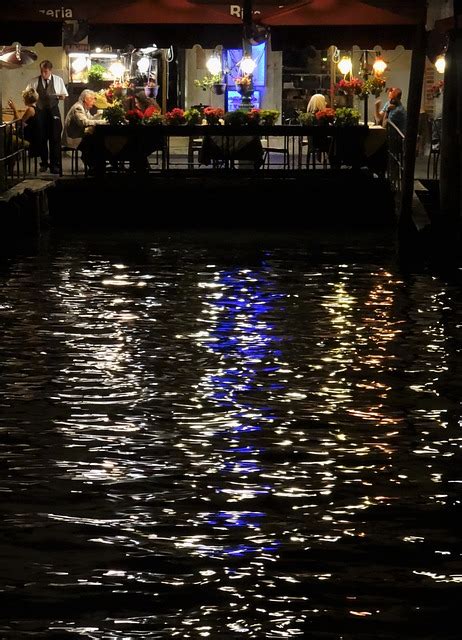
306	118
114	114
345	116
193	116
155	120
373	86
238	117
269	116
208	81
96	73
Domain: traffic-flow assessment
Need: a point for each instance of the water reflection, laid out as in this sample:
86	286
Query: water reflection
199	442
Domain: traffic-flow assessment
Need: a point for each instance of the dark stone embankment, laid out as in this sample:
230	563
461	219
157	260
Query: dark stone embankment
24	209
223	200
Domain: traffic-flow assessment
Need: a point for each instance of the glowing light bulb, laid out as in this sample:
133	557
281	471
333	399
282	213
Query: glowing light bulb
79	63
379	66
440	64
117	69
143	65
247	65
345	66
213	65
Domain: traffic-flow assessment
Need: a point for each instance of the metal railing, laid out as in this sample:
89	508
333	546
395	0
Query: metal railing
123	148
395	143
13	165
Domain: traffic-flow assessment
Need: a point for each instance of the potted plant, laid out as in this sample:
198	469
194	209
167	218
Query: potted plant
352	87
254	116
238	117
269	116
219	88
244	84
346	117
325	116
373	86
134	117
175	117
213	115
437	89
306	118
96	76
193	116
212	81
157	119
114	114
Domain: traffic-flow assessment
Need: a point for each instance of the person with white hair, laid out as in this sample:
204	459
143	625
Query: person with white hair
79	118
317	103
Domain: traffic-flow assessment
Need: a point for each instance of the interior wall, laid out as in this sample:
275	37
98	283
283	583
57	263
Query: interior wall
14	81
433	106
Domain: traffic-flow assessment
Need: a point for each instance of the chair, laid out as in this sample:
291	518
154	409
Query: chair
348	148
194	145
268	150
74	160
317	153
434	125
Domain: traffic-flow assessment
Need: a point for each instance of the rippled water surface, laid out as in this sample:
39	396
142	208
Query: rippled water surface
228	437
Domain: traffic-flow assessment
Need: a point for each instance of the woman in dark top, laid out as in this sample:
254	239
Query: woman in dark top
29	120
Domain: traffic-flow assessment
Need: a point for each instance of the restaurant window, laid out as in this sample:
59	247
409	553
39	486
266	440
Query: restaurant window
232	57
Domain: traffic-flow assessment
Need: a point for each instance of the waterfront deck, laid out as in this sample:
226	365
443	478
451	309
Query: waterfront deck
288	189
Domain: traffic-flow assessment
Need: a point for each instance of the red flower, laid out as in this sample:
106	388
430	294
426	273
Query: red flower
213	115
134	116
254	116
175	116
350	87
437	89
325	116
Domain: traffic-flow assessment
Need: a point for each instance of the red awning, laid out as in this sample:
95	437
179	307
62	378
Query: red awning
271	12
337	12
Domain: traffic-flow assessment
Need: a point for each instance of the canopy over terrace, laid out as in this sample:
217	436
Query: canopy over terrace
272	12
389	22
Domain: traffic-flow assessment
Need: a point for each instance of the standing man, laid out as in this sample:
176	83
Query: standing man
51	89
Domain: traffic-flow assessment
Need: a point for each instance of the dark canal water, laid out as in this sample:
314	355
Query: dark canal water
228	437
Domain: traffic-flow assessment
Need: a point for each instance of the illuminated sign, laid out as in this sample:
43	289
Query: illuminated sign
58	13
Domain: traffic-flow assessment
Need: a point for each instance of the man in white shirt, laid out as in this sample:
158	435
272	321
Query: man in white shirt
51	89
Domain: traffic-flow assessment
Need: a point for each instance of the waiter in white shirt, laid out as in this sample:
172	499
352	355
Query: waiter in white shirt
51	89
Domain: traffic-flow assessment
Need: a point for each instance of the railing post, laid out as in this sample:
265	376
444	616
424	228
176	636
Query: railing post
3	172
410	140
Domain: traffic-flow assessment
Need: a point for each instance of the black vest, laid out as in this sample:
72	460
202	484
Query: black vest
46	98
